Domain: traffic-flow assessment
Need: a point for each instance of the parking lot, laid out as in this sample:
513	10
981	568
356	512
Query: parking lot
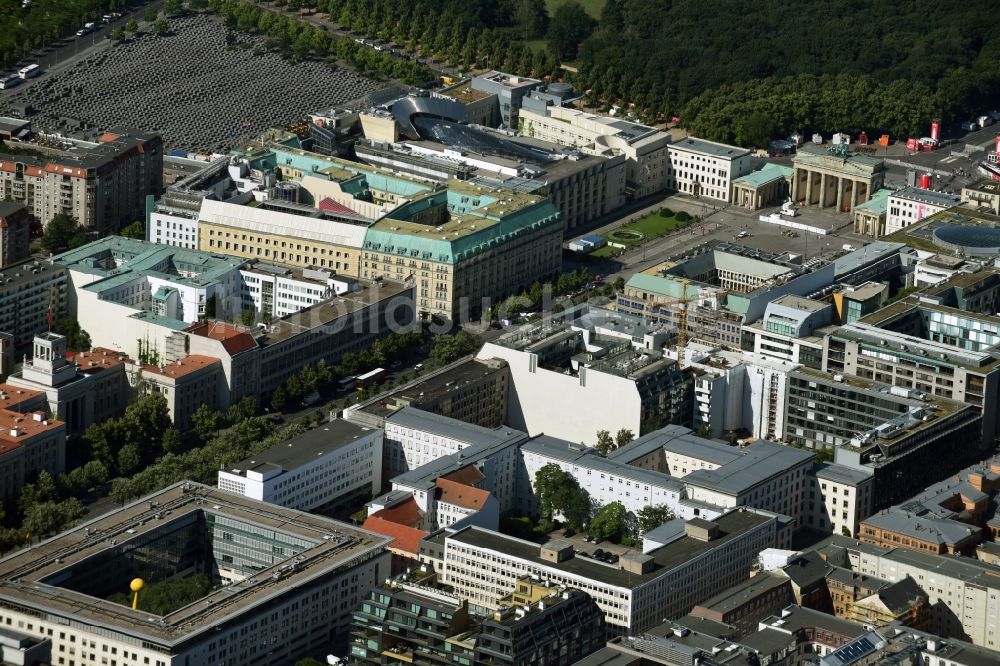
581	547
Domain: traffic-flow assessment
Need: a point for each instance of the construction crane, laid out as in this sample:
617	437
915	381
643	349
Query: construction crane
682	304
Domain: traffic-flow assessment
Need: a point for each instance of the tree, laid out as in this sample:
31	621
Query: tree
131	27
42	490
59	233
128	459
619	283
570	25
173	7
448	348
559	493
135	230
118	34
160	27
77	339
51	516
623	437
758	130
206	422
149	14
172	441
609	521
604	442
653	515
278	398
531	18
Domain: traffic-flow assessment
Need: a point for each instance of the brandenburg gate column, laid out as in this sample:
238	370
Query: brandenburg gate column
822	190
854	193
809	187
840	194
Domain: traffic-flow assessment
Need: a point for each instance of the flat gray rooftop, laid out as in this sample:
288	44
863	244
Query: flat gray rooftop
306	447
335	545
710	148
732	525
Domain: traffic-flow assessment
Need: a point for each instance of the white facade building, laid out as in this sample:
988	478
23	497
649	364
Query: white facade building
276	291
704	168
695	561
337	465
175	228
840	498
912	204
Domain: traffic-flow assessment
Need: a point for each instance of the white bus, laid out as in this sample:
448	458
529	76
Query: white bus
29	71
9	81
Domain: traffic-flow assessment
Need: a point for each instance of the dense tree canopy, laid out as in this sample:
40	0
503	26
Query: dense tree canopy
560	494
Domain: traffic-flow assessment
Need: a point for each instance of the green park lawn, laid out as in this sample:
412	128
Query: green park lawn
651	226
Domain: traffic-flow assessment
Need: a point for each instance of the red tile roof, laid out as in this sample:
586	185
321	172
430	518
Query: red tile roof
11	397
406	513
92	361
468	475
234	340
331	206
404	538
16	428
461	495
183	367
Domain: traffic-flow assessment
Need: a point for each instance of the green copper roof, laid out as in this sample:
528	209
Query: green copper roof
766	174
878	204
663	286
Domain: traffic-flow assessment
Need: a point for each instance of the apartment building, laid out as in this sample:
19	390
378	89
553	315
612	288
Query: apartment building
465	248
103	185
912	204
32	292
962	593
695	561
80	388
332	469
15	229
840	497
746	604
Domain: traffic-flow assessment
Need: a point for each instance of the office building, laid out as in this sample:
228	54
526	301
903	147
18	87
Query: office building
421	447
705	169
717	288
570	362
840	497
131	293
509	92
984	193
852	302
332	469
333	131
746	604
273	291
103	185
582	187
645	148
300	237
932	349
792	330
32	293
186	384
80	388
466	247
291	580
236	349
15	229
173	218
469	390
30	441
912	204
835	177
698	559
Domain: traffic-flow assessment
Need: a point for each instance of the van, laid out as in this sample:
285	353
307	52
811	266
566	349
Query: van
849	247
